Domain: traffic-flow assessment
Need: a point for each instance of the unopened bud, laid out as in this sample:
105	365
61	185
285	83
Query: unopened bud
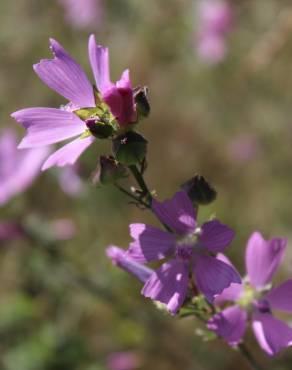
130	148
199	190
108	172
98	128
142	100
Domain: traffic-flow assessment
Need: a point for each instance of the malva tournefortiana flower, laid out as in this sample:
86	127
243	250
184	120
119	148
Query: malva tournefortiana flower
191	250
255	299
91	111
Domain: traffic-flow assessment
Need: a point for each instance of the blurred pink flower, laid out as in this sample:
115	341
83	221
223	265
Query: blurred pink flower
123	361
10	231
215	19
18	169
243	148
83	13
70	181
63	229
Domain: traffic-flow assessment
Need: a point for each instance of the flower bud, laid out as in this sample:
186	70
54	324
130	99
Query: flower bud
109	171
98	128
199	190
129	148
142	101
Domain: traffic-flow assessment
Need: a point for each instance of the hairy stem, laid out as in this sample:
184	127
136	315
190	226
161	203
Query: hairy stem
132	196
141	182
249	357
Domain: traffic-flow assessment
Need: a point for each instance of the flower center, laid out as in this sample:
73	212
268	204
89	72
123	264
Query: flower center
184	252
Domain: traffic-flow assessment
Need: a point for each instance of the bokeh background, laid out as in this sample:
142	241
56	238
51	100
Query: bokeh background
62	303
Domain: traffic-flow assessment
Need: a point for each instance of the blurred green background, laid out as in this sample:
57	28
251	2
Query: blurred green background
63	305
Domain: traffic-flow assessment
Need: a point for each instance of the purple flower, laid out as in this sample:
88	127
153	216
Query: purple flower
255	299
47	126
189	247
123	361
18	169
83	13
121	259
215	22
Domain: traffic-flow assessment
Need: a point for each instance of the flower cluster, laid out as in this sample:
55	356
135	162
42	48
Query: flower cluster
189	253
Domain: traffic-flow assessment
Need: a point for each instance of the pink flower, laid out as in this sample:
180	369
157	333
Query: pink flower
46	126
83	13
188	249
215	22
254	300
18	169
123	361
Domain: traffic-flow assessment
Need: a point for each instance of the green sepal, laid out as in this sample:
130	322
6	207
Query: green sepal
206	335
85	134
86	113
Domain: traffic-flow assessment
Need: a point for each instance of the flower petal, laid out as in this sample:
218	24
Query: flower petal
178	213
262	258
120	258
215	236
128	112
69	153
229	324
168	285
26	169
233	292
280	298
150	243
99	60
8	153
47	126
64	75
272	334
213	275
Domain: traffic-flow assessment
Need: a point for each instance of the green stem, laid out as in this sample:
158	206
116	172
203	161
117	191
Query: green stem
140	180
132	196
249	357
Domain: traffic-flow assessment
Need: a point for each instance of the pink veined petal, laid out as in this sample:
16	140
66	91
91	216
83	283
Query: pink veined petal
230	294
47	126
280	297
215	236
69	153
213	276
64	75
113	99
26	169
233	292
272	334
150	243
262	258
128	112
8	153
178	213
168	285
99	61
120	258
229	324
